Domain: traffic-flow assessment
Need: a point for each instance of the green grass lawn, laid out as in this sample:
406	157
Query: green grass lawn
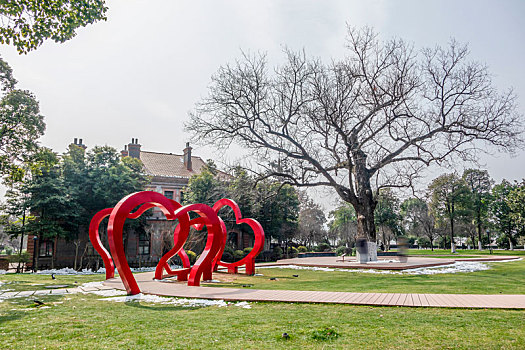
84	322
503	277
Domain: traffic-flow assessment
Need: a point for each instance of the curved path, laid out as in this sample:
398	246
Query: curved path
175	289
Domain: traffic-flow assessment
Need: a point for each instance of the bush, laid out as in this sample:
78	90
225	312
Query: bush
323	247
238	255
293	251
192	256
277	253
302	249
341	250
24	258
247	250
227	255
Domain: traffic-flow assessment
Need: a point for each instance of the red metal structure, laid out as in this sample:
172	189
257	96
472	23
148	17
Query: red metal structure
208	261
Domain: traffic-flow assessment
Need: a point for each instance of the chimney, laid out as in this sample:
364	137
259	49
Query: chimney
133	149
78	142
124	152
187	157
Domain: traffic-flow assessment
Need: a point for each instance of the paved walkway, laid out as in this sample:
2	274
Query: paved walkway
180	289
382	263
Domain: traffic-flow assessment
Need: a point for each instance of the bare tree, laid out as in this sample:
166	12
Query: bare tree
371	120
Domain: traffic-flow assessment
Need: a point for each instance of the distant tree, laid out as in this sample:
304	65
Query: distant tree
204	188
479	184
27	23
449	196
343	222
20	126
311	221
419	220
371	120
387	216
516	203
502	213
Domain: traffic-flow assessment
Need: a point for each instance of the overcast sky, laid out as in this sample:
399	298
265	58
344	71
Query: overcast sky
138	74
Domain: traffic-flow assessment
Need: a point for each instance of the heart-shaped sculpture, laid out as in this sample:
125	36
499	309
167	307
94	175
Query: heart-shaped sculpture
122	211
249	259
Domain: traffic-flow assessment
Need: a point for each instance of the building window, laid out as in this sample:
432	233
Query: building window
168	194
46	248
144	244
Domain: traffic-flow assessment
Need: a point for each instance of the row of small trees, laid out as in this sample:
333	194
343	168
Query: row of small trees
59	194
470	206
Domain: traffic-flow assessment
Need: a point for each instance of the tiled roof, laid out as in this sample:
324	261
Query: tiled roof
169	165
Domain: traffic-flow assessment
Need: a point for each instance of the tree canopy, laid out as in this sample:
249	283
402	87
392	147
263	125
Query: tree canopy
373	119
25	24
21	124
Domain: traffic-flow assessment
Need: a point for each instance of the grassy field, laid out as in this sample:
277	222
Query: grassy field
84	322
503	277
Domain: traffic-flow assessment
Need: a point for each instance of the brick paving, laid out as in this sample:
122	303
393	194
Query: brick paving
180	289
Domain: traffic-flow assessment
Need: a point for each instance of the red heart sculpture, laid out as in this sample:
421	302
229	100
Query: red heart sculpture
248	260
122	211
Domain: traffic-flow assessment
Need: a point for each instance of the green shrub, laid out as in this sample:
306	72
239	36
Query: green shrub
24	258
192	256
292	251
302	249
238	255
342	250
8	250
277	253
247	250
323	247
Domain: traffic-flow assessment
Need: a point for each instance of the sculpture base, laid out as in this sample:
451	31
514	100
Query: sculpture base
371	254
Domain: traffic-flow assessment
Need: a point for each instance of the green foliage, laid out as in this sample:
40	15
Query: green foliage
292	252
21	124
302	249
343	250
227	255
275	206
64	193
238	254
323	247
247	250
192	256
501	211
23	258
27	23
325	334
277	253
343	223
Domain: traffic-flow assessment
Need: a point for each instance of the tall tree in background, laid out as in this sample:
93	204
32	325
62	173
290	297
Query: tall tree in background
449	197
516	203
27	23
420	221
344	223
387	216
479	184
373	119
502	213
20	127
311	221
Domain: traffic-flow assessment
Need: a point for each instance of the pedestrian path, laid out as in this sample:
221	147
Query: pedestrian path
175	289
